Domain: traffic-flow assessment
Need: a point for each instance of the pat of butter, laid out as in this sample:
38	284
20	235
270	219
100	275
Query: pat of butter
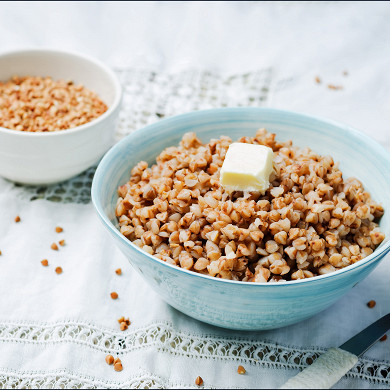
247	167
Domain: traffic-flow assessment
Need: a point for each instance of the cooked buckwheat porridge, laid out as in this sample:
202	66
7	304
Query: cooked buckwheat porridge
311	221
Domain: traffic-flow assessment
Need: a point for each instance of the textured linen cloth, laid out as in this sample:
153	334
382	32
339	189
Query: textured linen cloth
55	330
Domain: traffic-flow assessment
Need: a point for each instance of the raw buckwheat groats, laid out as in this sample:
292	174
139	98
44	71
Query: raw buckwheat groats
311	221
199	381
110	359
58	270
41	104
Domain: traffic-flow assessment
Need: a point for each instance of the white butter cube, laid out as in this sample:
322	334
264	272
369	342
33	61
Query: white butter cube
247	167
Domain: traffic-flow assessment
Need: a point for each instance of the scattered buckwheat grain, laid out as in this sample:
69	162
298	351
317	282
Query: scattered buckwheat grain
62	242
109	359
241	370
17	218
383	338
118	271
118	367
59	229
44	262
371	304
124	320
114	295
335	87
54	246
317	80
123	326
199	381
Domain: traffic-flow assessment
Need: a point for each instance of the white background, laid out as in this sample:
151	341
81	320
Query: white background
300	40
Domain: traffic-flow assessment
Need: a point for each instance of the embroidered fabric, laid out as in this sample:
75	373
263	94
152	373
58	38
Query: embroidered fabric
166	339
60	379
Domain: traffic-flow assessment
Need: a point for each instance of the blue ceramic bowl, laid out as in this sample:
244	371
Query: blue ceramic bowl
231	304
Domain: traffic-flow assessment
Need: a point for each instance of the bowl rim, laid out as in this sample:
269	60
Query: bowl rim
111	109
99	174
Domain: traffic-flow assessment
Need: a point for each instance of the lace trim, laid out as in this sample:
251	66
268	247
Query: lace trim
168	340
57	379
75	190
269	355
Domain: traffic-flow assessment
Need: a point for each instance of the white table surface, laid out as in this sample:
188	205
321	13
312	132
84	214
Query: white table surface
294	42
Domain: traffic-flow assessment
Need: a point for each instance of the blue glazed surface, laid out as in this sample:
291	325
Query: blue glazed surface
231	304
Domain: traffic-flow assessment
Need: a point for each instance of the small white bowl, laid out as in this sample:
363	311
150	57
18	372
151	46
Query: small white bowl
50	157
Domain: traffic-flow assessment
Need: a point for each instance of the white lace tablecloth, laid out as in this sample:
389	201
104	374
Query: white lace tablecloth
55	330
